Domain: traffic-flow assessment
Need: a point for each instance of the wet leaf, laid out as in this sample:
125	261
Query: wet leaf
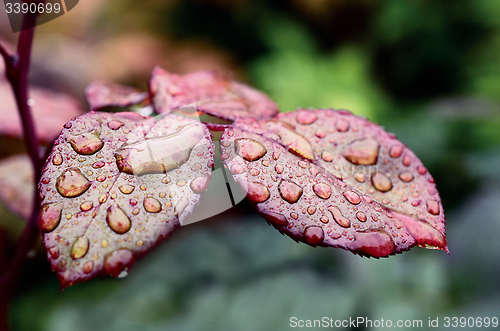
115	185
330	178
211	93
17	184
104	94
50	111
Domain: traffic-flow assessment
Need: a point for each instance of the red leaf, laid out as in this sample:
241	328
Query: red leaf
50	111
211	93
115	185
330	178
104	94
17	184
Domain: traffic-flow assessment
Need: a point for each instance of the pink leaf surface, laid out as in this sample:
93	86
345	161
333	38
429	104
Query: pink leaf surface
17	184
330	178
50	111
115	185
104	94
211	93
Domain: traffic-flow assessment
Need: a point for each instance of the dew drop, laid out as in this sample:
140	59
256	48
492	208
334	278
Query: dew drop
88	267
279	168
152	205
327	156
290	191
352	197
361	216
117	261
381	182
360	177
72	183
54	252
289	138
433	207
342	125
237	169
80	248
373	243
314	235
294	215
117	220
249	149
406	160
57	159
115	125
199	184
98	165
257	192
324	219
104	243
322	190
396	151
406	176
86	206
87	143
320	133
303	164
421	170
311	210
362	152
181	182
306	117
50	216
126	188
166	180
338	217
272	217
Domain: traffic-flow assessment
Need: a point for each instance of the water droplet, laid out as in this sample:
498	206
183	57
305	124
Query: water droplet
126	188
433	207
311	210
117	220
115	125
342	125
80	248
117	261
381	182
396	151
338	217
279	168
104	243
290	191
199	184
86	206
352	197
272	217
87	143
166	180
152	205
54	252
360	177
327	156
249	149
362	152
314	235
406	160
289	138
57	159
50	216
294	215
322	190
321	133
254	172
421	170
98	165
406	176
324	219
88	267
257	192
303	164
72	183
306	117
374	243
361	216
181	182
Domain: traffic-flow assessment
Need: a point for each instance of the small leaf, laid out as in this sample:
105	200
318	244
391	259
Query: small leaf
104	94
211	93
17	184
330	178
115	185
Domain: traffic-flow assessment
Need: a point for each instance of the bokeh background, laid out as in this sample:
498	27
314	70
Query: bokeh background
429	71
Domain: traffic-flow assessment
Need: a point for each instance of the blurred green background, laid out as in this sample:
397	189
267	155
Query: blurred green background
429	71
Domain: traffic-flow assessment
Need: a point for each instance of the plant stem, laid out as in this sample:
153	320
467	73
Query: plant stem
17	68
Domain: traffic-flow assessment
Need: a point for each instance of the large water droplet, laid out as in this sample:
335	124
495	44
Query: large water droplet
352	197
87	143
57	159
406	176
88	267
372	243
381	182
342	125
199	184
433	207
293	141
152	205
86	206
272	217
327	156
290	191
117	261
257	192
80	248
362	152
126	188
306	117
72	183
322	190
160	154
115	125
338	217
249	149
314	235
117	220
50	216
396	151
361	216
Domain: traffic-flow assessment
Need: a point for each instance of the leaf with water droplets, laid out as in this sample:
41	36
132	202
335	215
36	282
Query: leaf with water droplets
211	94
104	94
115	185
330	178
